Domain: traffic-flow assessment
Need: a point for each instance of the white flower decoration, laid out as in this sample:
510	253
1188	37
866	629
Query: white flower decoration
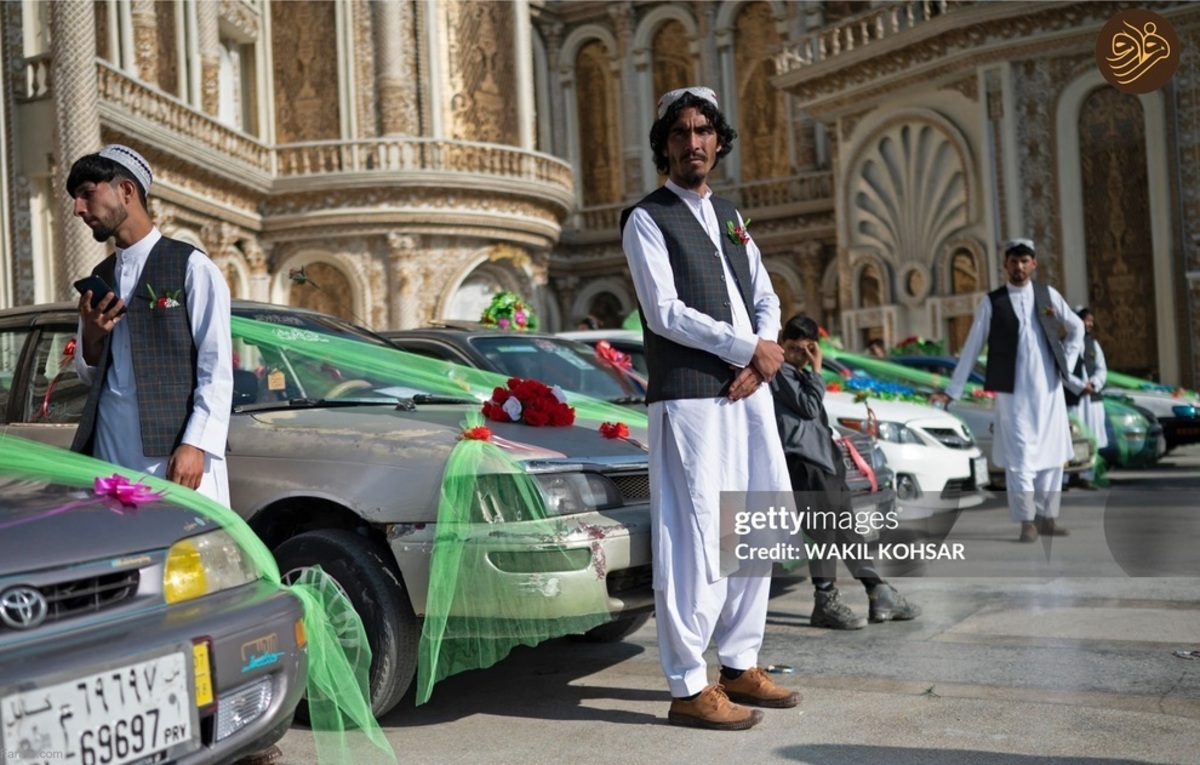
512	408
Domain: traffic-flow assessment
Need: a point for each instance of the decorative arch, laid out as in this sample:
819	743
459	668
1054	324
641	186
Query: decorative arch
643	36
612	285
951	273
496	267
763	142
351	305
672	62
727	12
785	278
597	147
910	188
871	266
577	39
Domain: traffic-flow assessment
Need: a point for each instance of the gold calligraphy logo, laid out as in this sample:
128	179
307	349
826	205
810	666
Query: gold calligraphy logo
1137	51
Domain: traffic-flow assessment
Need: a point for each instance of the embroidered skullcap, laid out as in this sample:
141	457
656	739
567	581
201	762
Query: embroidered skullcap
1014	244
699	91
129	159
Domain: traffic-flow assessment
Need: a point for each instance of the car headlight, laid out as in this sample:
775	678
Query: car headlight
204	564
567	493
898	433
878	458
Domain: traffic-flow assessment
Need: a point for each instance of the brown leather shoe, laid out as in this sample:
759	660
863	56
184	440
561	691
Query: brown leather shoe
713	710
754	686
1047	528
1029	532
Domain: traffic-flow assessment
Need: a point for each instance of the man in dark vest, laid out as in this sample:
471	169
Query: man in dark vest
710	319
1089	376
156	348
1027	360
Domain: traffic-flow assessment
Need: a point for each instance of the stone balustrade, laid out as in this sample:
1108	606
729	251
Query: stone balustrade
139	100
858	31
421	155
35	81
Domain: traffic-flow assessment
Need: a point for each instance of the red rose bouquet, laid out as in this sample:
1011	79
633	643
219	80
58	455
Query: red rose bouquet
614	430
531	402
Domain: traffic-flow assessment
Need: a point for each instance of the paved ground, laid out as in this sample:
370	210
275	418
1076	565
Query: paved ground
1071	664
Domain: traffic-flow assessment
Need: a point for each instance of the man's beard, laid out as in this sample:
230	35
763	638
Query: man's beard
694	177
103	233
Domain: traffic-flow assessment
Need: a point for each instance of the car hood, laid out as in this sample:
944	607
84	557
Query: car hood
887	411
385	434
48	526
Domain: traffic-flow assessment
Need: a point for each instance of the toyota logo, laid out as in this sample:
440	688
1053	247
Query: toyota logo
22	608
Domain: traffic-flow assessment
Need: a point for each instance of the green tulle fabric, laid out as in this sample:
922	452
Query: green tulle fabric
386	365
488	503
472	620
337	688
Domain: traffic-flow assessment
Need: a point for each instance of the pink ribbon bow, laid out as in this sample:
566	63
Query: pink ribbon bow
129	494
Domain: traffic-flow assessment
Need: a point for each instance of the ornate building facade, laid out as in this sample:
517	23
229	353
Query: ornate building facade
414	156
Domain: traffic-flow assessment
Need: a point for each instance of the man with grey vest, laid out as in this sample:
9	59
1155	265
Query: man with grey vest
710	319
156	349
1027	361
1089	376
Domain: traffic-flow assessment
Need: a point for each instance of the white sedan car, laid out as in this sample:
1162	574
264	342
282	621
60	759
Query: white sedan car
937	463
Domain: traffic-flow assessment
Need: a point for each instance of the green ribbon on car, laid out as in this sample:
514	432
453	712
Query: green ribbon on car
337	690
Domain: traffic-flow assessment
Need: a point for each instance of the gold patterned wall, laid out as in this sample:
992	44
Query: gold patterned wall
598	132
1120	266
328	291
101	10
763	129
304	38
482	72
673	66
168	48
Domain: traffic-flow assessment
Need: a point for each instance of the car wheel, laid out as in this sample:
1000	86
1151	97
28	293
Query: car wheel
614	631
366	572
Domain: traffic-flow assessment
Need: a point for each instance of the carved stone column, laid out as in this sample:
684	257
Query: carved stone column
808	259
622	16
405	278
566	287
396	48
210	56
552	34
77	118
145	40
260	279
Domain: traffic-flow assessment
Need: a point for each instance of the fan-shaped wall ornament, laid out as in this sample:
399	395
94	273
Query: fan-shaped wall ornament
909	191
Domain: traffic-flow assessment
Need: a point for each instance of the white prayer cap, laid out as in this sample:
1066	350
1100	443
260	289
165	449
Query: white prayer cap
699	91
129	159
1013	244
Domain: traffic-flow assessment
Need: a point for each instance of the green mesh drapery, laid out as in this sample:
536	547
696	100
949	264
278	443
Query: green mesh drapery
385	365
337	681
473	619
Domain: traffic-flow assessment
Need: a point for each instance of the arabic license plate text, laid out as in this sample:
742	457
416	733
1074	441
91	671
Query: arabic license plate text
980	467
109	718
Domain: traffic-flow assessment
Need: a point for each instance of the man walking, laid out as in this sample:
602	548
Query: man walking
1088	376
1026	364
156	349
710	319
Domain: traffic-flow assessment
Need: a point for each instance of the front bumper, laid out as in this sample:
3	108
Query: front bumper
251	638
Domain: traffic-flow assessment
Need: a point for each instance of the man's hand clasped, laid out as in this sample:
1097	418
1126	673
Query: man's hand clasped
767	358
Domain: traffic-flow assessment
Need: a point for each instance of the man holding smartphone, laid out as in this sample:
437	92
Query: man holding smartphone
156	348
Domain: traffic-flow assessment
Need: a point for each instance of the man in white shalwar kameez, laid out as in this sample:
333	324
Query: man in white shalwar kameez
1088	377
711	319
1027	362
157	350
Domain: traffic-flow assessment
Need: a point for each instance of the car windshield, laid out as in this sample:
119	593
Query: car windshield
570	365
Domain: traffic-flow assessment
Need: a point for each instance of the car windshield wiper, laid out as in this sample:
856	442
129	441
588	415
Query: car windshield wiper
628	400
309	403
438	398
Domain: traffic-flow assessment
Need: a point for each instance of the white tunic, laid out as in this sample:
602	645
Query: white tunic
723	445
1089	411
1032	429
118	437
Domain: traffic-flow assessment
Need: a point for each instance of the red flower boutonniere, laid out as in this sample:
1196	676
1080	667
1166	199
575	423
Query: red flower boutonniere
479	433
737	234
1050	310
614	430
165	300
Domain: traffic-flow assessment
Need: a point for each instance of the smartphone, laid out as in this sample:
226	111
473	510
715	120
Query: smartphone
98	287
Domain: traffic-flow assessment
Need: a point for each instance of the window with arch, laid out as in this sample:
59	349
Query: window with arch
964	279
473	296
870	287
673	65
606	308
326	289
763	137
597	126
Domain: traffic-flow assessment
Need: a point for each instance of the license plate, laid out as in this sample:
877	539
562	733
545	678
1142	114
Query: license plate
110	718
1082	453
980	467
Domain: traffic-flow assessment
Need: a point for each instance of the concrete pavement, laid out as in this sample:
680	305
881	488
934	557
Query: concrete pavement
1065	667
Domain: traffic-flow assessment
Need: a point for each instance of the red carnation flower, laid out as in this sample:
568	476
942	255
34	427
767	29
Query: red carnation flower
614	430
479	433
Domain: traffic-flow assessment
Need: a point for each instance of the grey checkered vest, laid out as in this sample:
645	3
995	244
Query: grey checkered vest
1085	367
164	353
1001	375
677	371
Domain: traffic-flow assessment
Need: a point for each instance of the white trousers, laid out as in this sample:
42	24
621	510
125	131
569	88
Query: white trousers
690	611
1034	493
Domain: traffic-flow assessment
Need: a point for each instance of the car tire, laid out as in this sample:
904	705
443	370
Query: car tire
614	631
367	573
